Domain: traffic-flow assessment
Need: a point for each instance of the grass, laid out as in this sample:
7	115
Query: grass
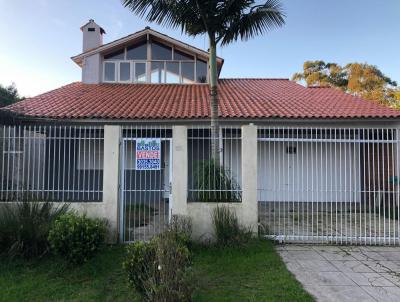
253	274
52	279
256	273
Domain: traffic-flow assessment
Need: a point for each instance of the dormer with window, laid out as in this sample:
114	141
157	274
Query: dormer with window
143	57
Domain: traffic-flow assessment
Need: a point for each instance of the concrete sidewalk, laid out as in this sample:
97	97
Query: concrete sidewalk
338	273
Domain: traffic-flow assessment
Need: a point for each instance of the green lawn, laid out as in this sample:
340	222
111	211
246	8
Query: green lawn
254	274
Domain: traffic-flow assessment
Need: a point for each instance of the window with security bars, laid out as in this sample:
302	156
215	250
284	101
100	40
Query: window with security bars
51	163
214	179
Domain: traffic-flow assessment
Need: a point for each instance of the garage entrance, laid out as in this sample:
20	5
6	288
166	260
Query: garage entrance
330	185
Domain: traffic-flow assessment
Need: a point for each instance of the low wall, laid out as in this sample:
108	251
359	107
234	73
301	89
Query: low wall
201	216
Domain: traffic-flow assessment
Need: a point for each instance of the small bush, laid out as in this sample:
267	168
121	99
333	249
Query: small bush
25	227
139	265
214	183
159	270
77	237
181	226
227	228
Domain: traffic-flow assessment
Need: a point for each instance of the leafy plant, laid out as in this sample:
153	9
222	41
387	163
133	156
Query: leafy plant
77	237
227	228
160	270
213	183
139	265
25	226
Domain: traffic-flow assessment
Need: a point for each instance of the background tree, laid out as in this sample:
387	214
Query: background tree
360	79
8	95
222	21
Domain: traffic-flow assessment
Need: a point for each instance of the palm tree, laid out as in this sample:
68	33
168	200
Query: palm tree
223	21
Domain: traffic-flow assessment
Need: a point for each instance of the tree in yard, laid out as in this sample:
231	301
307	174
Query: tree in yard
223	22
8	95
360	79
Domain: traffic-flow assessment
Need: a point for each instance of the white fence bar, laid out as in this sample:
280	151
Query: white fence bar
51	163
329	185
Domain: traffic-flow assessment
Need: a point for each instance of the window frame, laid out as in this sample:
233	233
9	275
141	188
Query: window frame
115	71
148	63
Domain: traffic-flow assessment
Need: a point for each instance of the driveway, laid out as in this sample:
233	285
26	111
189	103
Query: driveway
338	273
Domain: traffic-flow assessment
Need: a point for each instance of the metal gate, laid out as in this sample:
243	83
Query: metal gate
329	185
146	175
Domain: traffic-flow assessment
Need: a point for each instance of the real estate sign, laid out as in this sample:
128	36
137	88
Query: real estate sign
148	154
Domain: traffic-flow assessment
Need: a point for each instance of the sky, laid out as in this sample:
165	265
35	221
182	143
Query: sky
38	37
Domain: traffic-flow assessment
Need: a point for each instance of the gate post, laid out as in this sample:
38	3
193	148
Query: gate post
249	177
111	178
179	170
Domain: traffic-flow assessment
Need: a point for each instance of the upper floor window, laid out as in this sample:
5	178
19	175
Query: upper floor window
137	52
116	55
153	62
160	51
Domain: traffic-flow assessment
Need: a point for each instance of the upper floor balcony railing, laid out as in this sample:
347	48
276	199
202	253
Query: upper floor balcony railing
155	71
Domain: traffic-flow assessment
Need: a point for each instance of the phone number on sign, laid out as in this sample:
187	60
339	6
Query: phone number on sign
148	164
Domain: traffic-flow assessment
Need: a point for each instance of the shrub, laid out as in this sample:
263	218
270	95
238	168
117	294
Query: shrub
77	237
139	265
214	183
159	270
227	228
181	226
25	226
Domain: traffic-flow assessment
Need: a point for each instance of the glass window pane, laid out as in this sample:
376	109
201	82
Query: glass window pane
140	72
181	56
201	71
124	71
160	52
157	72
172	72
116	55
137	52
109	71
187	70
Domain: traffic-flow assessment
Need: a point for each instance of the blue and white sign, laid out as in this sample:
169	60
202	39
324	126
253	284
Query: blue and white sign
148	154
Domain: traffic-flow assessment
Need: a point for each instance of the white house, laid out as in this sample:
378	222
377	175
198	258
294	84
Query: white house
131	141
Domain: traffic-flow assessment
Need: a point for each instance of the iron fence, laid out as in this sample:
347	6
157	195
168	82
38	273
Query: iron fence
51	163
329	185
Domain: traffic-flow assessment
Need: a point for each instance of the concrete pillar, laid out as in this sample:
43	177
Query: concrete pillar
111	178
249	215
179	170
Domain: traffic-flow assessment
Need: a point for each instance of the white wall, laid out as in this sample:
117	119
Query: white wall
92	69
316	172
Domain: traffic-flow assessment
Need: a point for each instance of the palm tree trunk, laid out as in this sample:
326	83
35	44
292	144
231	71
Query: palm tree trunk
215	147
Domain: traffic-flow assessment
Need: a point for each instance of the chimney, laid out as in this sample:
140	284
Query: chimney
92	35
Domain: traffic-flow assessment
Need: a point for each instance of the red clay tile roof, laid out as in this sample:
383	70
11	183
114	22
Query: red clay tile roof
239	98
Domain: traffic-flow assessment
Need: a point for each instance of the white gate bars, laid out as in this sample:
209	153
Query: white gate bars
146	175
51	163
329	185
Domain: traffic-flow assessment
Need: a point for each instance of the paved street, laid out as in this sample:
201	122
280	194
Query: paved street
338	273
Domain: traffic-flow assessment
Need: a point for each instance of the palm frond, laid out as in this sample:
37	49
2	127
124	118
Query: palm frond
248	25
183	14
